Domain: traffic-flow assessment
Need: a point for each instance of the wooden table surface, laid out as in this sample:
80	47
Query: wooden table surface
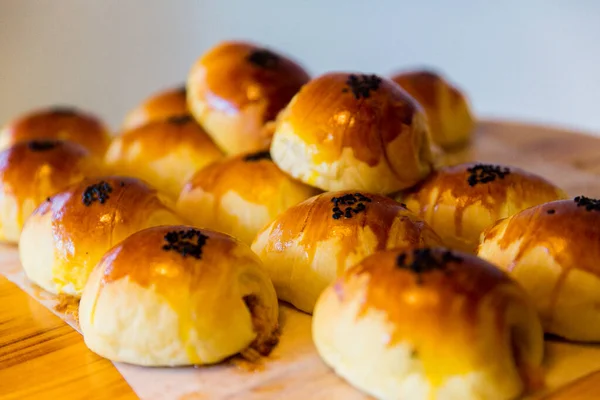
41	357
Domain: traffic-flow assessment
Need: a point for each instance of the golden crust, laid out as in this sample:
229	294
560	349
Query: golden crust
448	112
236	88
222	300
67	234
312	243
32	171
552	250
336	137
459	211
437	324
164	153
240	195
59	123
159	106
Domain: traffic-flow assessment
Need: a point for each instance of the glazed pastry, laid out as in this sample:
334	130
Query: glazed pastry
158	107
240	195
58	123
460	201
552	251
430	324
32	171
163	153
353	132
175	295
236	88
66	235
311	244
448	112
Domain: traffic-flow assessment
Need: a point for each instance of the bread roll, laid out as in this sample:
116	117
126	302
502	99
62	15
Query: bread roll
175	295
312	243
430	324
353	132
552	251
58	123
160	106
163	153
67	235
240	195
236	88
460	201
32	171
448	112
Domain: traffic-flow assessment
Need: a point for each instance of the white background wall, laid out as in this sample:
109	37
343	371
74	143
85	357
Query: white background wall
536	60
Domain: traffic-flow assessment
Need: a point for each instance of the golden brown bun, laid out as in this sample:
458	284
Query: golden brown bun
345	132
430	324
59	123
240	195
553	251
236	88
163	153
32	171
67	235
160	106
459	211
314	242
175	295
448	112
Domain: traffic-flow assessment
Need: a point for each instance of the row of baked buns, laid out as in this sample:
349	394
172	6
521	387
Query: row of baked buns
256	183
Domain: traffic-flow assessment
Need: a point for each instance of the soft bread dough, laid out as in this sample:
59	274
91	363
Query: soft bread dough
429	324
237	88
32	171
175	295
460	201
68	234
552	251
240	195
312	243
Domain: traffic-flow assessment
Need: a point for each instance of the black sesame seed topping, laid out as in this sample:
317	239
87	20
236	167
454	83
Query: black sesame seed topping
97	192
121	183
551	211
48	199
63	110
424	261
186	242
362	85
179	119
348	204
263	58
588	203
42	145
485	173
260	155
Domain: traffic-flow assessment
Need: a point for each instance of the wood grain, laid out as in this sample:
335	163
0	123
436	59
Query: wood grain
42	357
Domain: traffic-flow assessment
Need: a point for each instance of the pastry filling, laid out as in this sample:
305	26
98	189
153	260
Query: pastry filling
266	339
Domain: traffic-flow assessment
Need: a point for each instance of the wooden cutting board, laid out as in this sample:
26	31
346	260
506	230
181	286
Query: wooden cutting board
41	357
